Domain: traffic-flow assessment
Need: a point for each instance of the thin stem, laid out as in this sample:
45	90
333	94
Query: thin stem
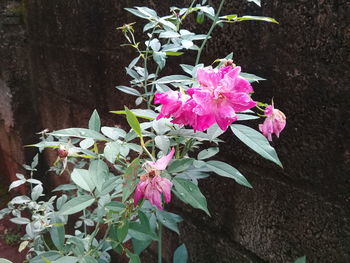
209	32
85	230
160	228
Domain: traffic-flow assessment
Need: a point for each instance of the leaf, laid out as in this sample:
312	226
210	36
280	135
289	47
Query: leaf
146	114
16	184
65	187
37	192
133	122
86	143
250	77
256	141
227	170
189	193
129	179
154	44
99	171
128	90
245	117
257	18
83	179
137	13
35	161
162	142
214	131
187	68
160	59
111	151
46	257
95	121
258	2
186	43
20	220
300	260
57	232
115	206
80	133
4	260
173	78
66	259
133	258
76	204
180	254
88	259
21	247
180	165
113	132
139	245
142	230
207	153
169	220
169	34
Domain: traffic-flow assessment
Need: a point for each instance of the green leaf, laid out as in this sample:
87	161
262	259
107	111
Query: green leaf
122	230
49	255
256	141
86	143
99	171
169	220
129	179
83	179
145	114
180	165
3	260
128	90
189	193
76	204
200	18
169	34
207	153
137	13
257	18
133	122
180	254
172	53
187	68
227	170
111	150
80	133
115	206
95	121
258	2
113	132
66	259
245	117
301	260
139	245
133	258
160	59
57	232
65	187
142	230
173	78
88	259
250	77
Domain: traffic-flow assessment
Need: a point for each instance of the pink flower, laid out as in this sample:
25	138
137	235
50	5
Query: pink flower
222	93
152	185
274	123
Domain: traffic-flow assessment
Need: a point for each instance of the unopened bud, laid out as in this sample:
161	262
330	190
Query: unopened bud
62	152
229	62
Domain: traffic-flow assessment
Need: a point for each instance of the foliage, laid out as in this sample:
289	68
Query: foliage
106	164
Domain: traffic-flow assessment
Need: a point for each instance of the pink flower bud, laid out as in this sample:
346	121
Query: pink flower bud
62	152
274	123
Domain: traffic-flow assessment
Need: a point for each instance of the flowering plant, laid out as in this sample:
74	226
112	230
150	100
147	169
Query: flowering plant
120	180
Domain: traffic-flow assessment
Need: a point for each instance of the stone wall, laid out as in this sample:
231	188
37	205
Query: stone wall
72	60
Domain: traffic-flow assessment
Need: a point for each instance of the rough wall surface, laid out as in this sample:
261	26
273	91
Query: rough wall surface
75	62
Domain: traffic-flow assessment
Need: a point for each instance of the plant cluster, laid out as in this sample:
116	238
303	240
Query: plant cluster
121	179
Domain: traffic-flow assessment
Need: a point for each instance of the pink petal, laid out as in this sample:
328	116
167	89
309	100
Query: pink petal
225	115
163	162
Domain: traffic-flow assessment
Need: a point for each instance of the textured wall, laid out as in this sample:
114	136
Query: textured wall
75	61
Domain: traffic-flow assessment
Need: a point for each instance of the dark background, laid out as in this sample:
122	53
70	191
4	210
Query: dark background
59	60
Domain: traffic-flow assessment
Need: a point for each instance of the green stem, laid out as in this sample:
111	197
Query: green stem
209	32
160	243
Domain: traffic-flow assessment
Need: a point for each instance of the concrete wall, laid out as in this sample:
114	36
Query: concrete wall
74	62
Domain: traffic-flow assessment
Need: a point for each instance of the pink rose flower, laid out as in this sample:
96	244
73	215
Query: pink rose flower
222	93
152	185
274	123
